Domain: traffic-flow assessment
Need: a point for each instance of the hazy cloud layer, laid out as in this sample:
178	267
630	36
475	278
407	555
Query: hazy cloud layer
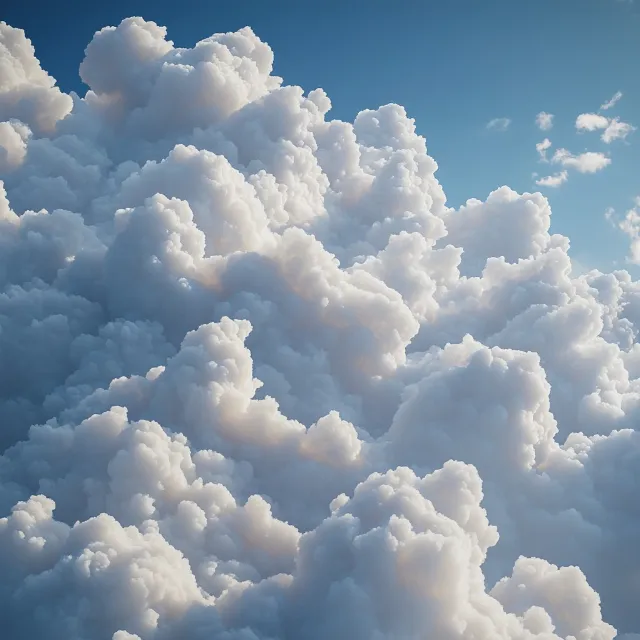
258	380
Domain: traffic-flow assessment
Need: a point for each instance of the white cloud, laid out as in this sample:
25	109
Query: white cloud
258	380
609	104
544	121
617	130
499	124
629	224
588	162
553	181
591	122
542	148
614	129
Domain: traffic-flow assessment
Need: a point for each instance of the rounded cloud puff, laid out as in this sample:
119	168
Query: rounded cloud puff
258	381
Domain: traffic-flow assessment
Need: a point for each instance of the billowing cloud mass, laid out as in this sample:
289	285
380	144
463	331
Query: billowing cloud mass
498	124
260	382
544	121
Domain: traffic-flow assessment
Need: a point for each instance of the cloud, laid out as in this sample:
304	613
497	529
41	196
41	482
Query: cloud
609	104
544	121
614	129
588	162
554	180
542	148
630	226
498	124
591	122
258	381
617	130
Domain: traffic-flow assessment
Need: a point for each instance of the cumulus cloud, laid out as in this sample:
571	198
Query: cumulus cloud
614	129
617	130
259	382
591	122
498	124
542	148
554	180
588	162
544	121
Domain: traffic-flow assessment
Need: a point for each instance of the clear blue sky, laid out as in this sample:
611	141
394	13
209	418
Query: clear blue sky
454	65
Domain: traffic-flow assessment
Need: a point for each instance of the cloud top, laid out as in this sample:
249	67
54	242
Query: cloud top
258	381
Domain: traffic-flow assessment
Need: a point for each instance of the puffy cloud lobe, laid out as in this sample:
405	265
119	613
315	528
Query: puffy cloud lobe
259	381
27	92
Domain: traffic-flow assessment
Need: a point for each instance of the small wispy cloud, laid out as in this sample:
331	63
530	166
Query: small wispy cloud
554	180
542	148
612	102
498	124
588	162
544	121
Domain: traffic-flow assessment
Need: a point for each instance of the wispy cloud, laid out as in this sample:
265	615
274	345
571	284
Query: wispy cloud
544	121
589	162
617	130
542	148
612	102
498	124
555	180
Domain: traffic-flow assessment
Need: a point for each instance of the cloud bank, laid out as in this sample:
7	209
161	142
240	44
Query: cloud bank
260	382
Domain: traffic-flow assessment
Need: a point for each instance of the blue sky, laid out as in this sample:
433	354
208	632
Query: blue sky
455	65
